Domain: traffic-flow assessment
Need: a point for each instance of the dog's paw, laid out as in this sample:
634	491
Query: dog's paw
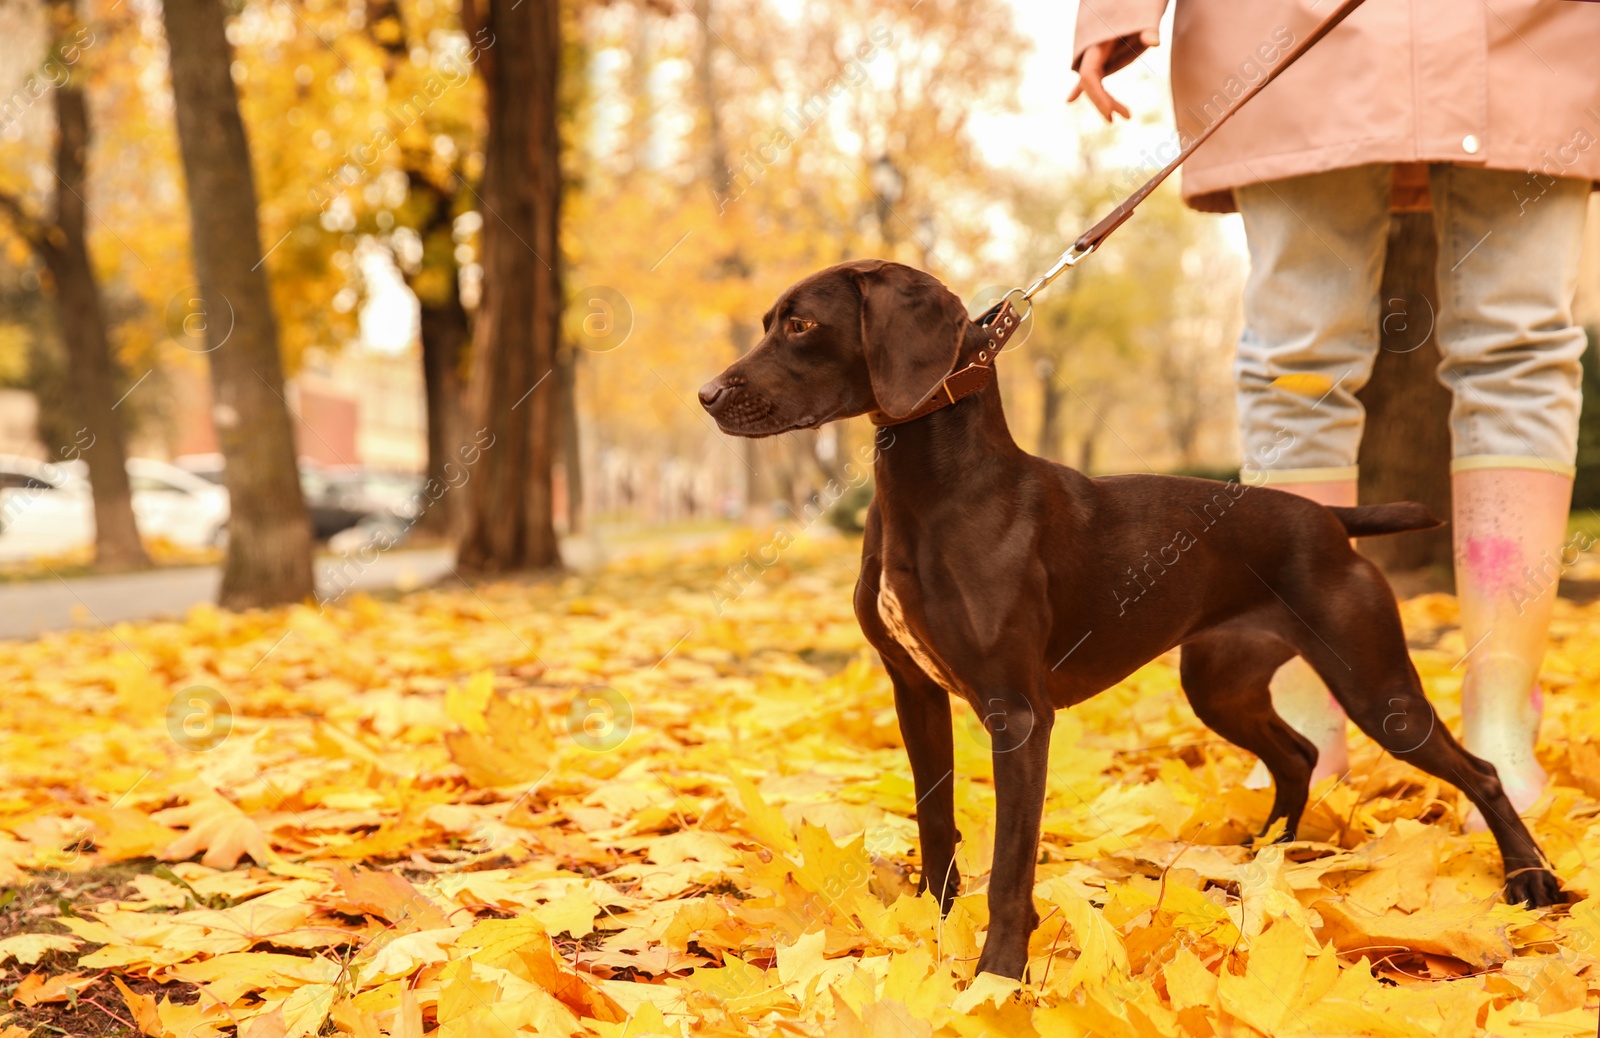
1535	887
1007	962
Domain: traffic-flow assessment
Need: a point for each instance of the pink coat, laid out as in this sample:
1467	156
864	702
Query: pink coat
1507	84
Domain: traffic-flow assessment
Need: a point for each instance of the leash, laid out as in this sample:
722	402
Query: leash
1004	318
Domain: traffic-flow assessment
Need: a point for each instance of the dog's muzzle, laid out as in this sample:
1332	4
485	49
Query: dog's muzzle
735	407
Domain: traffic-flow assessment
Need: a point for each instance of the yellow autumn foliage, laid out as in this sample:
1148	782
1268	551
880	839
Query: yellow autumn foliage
619	805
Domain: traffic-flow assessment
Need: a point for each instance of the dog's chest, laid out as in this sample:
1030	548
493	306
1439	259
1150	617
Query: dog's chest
892	612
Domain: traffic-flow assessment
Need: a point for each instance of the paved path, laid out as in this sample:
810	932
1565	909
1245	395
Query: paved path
29	608
32	607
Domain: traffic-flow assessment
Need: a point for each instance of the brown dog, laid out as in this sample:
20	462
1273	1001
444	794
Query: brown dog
1023	586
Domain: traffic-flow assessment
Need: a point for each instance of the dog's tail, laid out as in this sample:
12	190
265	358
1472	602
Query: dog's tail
1377	520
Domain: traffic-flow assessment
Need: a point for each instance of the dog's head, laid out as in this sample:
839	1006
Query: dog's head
861	336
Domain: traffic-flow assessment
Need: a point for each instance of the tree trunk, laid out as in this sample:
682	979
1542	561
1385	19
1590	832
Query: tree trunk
571	443
446	333
719	176
1049	410
1405	450
1086	448
269	536
1181	380
755	454
92	373
444	328
829	467
641	99
509	524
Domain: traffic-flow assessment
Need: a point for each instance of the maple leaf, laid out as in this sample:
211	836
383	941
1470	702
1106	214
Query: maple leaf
761	820
690	918
39	987
217	827
266	1025
1279	981
196	1020
1473	933
143	1008
387	895
505	740
466	1006
232	975
1100	948
573	913
127	832
986	988
400	956
29	948
306	1010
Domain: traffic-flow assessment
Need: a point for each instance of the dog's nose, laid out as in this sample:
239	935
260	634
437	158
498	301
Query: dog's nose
710	391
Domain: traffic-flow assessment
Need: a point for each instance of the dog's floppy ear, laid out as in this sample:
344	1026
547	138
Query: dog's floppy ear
911	329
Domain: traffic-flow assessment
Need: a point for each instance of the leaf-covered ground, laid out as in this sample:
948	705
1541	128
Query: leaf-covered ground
601	806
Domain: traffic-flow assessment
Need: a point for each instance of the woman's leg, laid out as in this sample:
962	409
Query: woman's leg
1508	263
1311	333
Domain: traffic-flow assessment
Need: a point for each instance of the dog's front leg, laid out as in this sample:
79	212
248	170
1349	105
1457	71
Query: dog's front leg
1021	742
923	709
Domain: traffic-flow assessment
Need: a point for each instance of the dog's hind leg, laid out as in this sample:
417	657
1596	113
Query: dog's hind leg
1225	675
1351	635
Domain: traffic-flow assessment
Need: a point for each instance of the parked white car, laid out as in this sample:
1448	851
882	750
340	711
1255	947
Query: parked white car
47	509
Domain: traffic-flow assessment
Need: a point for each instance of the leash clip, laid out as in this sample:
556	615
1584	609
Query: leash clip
1064	262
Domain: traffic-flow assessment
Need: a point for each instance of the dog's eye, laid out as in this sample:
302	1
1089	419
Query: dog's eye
796	325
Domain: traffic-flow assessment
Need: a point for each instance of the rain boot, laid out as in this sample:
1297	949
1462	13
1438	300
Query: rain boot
1510	526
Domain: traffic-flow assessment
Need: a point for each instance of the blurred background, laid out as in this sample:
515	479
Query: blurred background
501	247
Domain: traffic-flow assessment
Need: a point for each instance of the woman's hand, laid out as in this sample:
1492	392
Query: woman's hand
1091	76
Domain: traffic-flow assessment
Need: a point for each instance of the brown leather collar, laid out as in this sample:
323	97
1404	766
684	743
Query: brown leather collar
1002	324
